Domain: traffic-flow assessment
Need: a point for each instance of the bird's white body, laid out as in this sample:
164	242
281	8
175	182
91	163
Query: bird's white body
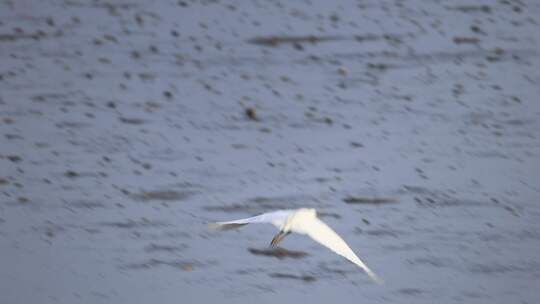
303	221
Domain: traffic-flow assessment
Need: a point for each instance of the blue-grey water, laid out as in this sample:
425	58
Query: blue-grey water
127	126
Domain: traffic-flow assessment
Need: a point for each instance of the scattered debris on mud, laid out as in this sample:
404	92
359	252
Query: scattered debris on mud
305	278
369	200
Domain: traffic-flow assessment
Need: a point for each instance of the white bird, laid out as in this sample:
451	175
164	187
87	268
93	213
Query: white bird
303	221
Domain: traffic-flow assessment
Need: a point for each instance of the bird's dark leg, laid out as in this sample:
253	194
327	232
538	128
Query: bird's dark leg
280	236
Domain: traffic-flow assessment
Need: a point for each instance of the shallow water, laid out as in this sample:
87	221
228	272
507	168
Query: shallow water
126	127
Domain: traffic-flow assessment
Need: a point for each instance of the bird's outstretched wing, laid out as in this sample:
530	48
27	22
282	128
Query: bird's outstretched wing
323	234
277	218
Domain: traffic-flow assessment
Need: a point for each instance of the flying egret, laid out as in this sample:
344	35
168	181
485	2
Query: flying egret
303	221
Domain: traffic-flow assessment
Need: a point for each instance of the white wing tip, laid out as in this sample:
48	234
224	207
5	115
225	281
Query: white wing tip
371	274
224	225
215	225
376	278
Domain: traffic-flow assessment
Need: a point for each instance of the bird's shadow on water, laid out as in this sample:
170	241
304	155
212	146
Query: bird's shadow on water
278	252
322	271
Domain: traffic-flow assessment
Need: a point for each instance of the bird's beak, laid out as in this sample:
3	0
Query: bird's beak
280	236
